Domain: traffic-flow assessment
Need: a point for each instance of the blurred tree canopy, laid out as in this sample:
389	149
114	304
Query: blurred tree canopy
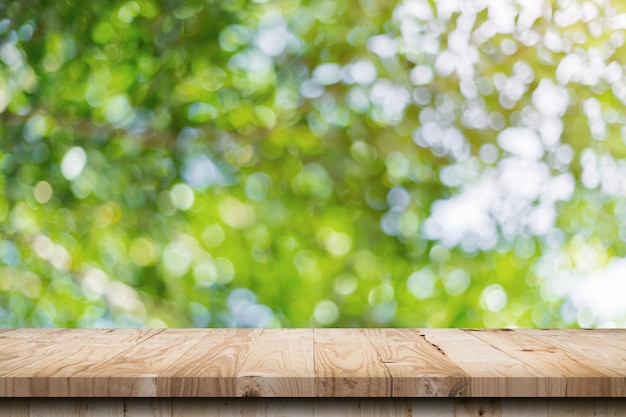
301	163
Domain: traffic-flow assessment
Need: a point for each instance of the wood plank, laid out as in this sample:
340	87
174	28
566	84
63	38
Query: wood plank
209	368
604	349
134	372
96	339
40	345
347	365
417	368
590	346
62	369
566	374
279	365
22	348
493	373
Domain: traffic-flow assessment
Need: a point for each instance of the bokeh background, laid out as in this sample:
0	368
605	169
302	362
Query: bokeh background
293	163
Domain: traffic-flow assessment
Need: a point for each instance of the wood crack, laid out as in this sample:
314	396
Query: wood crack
423	336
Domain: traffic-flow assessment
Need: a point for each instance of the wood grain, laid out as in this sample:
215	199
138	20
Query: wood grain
601	350
52	369
566	374
29	333
311	363
24	347
347	365
210	367
598	348
135	371
417	368
492	372
279	365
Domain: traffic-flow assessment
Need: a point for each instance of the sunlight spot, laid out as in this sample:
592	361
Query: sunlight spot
43	192
421	283
345	284
142	252
327	73
522	142
177	259
236	214
362	72
73	163
382	45
493	298
326	312
457	282
381	294
182	197
421	75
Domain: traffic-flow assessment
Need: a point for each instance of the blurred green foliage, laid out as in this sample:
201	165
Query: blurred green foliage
301	163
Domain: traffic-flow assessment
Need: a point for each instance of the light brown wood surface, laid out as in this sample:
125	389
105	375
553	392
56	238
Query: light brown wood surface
418	363
406	353
566	373
347	365
279	365
210	367
493	373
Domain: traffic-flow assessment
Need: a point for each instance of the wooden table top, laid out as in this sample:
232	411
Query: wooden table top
312	363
